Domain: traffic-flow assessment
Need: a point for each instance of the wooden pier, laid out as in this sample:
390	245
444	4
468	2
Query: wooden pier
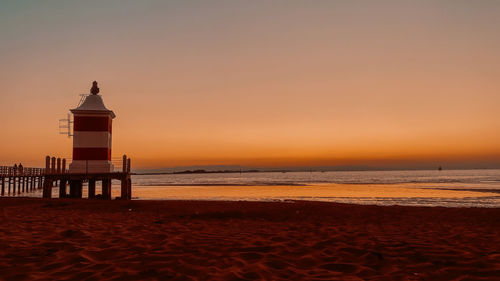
18	181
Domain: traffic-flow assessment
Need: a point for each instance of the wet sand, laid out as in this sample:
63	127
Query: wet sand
207	240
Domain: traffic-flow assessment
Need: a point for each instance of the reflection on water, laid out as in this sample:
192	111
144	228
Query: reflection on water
399	194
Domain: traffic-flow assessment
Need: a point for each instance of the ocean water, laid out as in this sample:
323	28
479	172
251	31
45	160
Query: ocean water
449	188
452	188
489	178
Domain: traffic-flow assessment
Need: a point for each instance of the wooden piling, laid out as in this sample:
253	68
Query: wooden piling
129	181
129	186
106	189
79	189
124	188
62	188
75	188
91	188
47	164
58	165
53	165
124	164
72	188
47	188
3	186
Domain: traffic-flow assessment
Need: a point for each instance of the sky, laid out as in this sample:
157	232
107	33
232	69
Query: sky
257	83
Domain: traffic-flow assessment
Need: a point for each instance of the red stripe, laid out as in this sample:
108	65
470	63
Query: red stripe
91	153
91	123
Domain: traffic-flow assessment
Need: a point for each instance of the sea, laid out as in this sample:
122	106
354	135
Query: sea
447	188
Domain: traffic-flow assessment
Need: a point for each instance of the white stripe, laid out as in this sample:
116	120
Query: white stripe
92	139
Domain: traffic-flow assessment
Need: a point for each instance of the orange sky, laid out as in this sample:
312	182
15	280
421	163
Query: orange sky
257	83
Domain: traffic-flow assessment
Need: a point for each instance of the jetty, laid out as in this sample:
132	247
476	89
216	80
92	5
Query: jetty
19	182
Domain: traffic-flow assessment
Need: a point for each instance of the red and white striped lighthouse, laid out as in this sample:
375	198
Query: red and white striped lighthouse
92	135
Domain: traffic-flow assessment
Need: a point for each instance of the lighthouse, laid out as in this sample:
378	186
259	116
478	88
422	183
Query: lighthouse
92	123
92	135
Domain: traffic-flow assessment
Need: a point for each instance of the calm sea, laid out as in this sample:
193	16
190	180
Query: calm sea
452	188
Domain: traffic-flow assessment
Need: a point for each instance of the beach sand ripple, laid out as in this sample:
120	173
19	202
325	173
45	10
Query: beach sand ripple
203	240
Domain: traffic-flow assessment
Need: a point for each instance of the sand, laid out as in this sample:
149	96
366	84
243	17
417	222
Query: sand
206	240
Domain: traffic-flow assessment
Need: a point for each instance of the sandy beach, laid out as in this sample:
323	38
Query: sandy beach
206	240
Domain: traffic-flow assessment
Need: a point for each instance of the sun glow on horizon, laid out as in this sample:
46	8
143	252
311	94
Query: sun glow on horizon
257	83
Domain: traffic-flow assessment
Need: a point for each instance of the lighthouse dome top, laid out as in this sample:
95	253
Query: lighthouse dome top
93	104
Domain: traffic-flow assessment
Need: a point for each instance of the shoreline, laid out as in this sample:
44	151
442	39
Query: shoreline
278	201
235	240
489	198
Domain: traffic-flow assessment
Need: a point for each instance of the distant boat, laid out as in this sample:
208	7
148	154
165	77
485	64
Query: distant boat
440	168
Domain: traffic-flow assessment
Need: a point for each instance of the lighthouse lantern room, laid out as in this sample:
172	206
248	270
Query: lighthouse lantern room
92	135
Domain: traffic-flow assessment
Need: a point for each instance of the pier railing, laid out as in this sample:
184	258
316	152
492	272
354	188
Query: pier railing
9	171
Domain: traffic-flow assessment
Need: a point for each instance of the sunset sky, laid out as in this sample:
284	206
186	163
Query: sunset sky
257	83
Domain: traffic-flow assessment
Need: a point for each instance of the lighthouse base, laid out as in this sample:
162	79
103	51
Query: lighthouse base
91	166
